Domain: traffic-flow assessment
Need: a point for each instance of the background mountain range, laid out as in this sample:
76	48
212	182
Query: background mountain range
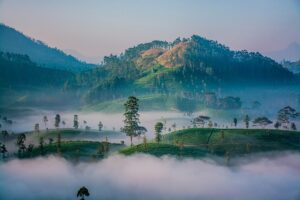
13	41
186	67
290	53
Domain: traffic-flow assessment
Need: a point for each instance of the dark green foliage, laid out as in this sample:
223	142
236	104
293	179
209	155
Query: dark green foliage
261	121
75	122
158	128
100	126
3	150
83	192
69	149
235	121
293	126
131	121
18	70
247	120
21	144
42	143
57	121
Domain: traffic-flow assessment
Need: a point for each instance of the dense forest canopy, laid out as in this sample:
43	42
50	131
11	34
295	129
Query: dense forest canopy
19	71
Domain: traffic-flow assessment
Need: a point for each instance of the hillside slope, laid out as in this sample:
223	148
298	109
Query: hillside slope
14	41
185	65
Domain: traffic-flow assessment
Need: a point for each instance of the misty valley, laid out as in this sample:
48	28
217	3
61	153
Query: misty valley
188	119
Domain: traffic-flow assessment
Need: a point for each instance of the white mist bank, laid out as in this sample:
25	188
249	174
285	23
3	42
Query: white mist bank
147	177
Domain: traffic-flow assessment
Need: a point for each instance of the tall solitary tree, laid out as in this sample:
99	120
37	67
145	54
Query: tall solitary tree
4	134
21	143
42	145
100	126
3	150
82	193
235	121
247	120
45	119
56	124
293	126
57	121
37	127
75	122
131	121
158	128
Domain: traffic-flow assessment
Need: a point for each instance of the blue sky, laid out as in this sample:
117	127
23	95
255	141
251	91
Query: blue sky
99	27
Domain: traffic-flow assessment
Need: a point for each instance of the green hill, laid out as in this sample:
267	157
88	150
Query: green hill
234	142
183	66
76	150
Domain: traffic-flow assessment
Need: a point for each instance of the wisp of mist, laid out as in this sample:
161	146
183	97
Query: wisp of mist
147	177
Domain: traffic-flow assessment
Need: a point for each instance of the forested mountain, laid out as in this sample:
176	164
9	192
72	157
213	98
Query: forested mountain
185	65
18	71
13	41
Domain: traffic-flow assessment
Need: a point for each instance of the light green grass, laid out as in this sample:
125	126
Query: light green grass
236	142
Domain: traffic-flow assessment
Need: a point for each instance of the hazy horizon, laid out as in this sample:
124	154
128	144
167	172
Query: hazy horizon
111	27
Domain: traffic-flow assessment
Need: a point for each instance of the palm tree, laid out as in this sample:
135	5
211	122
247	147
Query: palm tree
83	192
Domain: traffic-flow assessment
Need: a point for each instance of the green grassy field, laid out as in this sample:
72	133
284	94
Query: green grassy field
236	142
76	150
67	134
164	149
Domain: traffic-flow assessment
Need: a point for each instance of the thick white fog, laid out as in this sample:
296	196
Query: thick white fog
109	120
147	177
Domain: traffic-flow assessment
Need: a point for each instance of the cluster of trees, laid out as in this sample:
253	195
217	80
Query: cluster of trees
284	117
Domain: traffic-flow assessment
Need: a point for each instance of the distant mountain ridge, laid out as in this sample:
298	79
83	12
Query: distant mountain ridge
13	41
187	67
291	53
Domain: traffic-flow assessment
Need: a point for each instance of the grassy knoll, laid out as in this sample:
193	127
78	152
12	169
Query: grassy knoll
235	142
83	150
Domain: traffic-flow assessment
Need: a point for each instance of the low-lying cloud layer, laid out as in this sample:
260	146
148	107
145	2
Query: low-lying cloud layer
147	177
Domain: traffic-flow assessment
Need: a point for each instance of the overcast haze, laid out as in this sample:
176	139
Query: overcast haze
96	28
